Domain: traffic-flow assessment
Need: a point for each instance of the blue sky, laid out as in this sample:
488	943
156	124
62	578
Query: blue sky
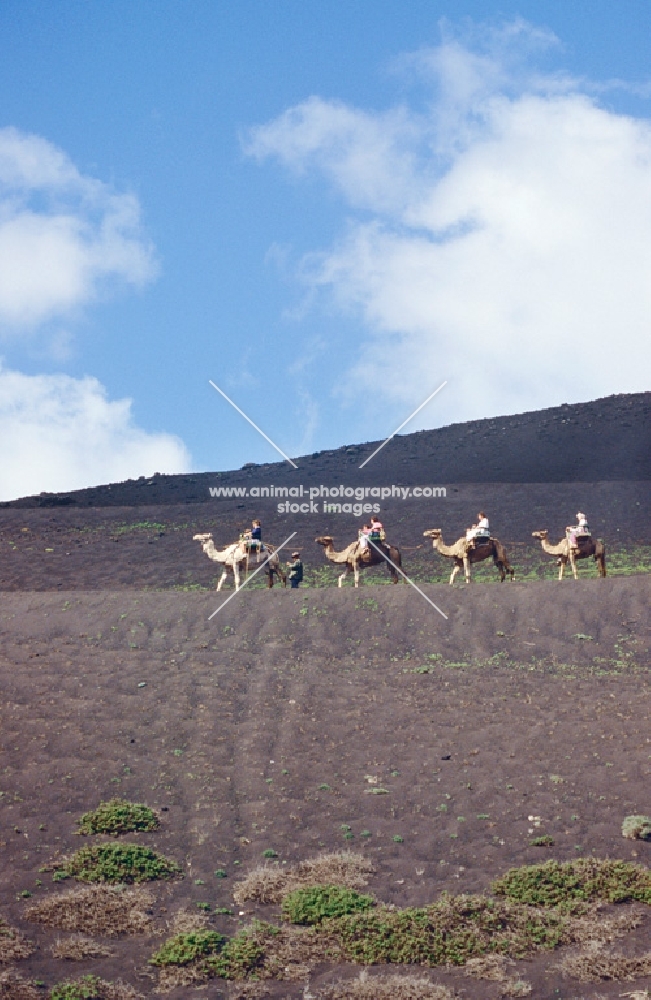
327	208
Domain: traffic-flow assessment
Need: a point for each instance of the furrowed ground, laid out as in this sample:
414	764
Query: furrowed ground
294	723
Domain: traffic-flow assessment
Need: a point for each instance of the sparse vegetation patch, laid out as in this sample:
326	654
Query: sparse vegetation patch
637	828
367	987
268	884
311	906
205	954
118	816
98	910
93	988
595	963
13	945
14	987
78	947
448	932
119	863
185	948
584	880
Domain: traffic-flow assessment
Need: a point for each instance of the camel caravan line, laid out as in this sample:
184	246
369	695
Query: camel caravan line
357	556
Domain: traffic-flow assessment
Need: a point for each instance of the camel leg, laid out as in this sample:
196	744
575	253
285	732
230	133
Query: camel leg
236	576
573	565
561	568
223	577
455	570
340	579
466	568
356	572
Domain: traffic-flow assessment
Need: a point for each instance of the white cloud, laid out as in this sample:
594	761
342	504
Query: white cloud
58	433
62	234
508	245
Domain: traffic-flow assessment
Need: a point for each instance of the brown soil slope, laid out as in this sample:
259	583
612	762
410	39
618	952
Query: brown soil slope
152	547
270	726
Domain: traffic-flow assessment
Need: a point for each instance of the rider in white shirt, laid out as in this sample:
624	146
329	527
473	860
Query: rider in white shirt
580	528
480	531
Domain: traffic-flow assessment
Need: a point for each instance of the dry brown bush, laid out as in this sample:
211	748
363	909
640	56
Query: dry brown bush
247	991
78	947
269	884
381	987
14	987
97	909
172	976
494	967
266	884
594	926
595	963
497	968
185	921
515	987
120	991
290	953
343	868
13	945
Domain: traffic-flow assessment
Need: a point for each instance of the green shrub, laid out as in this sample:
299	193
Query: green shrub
637	828
311	906
544	841
119	863
118	816
448	932
584	880
185	948
239	956
86	988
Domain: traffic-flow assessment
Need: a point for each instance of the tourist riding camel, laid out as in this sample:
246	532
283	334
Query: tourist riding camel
355	557
480	533
253	539
565	551
576	531
463	553
234	559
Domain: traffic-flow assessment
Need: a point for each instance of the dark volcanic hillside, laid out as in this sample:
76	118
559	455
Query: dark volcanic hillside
604	440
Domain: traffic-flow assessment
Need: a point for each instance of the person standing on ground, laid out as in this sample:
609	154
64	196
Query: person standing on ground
295	571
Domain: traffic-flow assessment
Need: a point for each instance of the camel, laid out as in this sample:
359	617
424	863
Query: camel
235	558
355	558
565	553
464	554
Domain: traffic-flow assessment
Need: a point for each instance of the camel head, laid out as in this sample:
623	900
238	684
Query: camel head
202	538
539	534
432	533
325	540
